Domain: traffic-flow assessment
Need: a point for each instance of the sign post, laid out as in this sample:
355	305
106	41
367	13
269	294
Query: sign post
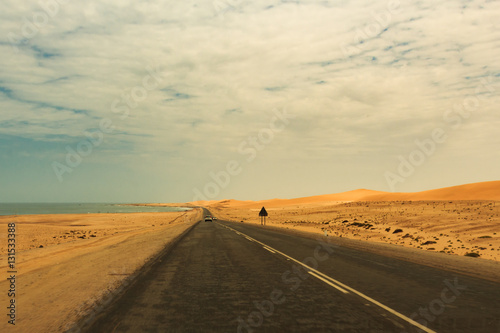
263	214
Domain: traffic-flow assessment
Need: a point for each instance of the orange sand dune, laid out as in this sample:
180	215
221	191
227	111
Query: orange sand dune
316	200
475	191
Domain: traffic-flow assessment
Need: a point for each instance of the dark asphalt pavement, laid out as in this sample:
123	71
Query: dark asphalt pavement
234	277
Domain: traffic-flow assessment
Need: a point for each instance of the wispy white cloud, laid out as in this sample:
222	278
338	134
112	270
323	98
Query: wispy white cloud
225	65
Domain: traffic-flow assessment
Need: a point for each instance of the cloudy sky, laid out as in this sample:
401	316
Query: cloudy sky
170	101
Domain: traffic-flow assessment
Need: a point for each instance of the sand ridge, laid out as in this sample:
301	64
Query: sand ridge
476	191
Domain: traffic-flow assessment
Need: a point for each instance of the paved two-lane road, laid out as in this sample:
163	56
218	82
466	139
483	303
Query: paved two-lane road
234	277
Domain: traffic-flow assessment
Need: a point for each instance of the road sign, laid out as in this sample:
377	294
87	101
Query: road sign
263	214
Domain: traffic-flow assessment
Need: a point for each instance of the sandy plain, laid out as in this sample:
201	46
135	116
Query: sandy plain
69	264
457	221
455	227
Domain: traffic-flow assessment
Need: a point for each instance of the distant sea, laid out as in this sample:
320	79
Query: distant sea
79	208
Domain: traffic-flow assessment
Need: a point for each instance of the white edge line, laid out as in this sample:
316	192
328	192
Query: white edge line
388	309
328	282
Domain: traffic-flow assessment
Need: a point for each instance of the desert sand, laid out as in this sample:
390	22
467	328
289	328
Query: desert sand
69	264
461	220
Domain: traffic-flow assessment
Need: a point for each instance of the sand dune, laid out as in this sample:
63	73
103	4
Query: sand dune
314	200
476	191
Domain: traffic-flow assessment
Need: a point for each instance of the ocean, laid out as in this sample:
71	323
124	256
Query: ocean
79	208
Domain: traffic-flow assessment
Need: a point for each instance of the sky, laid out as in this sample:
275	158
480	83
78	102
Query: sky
174	101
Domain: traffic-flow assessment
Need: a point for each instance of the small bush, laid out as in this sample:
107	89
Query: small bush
472	254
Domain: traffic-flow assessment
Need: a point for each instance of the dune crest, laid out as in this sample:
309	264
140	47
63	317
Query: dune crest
475	191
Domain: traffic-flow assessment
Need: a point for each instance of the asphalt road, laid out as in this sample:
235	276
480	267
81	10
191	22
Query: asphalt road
234	277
